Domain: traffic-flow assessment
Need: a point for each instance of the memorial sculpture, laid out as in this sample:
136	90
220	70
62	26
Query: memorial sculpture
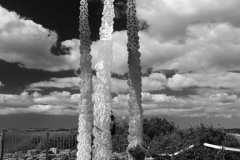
95	119
86	105
135	82
102	143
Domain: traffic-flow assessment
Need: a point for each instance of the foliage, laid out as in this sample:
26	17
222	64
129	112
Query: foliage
156	127
160	136
180	139
58	140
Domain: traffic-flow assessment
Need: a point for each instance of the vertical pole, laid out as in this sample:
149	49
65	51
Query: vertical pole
47	145
68	138
102	107
135	136
1	145
85	119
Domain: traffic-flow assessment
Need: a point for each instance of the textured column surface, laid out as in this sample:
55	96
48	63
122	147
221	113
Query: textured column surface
102	108
85	105
135	136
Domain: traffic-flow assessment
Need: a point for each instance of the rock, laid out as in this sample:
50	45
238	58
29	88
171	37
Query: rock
19	153
74	153
22	158
8	155
54	150
56	159
50	152
64	157
123	155
137	152
150	158
42	155
31	157
33	152
43	151
58	155
66	152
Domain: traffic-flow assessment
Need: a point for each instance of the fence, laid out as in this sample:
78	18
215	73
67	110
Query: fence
12	142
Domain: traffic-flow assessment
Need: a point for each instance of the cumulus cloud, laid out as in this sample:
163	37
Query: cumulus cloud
58	98
117	85
68	82
1	84
64	103
9	100
158	76
168	19
56	103
211	46
202	35
22	40
223	98
40	109
229	81
152	51
216	105
178	82
154	82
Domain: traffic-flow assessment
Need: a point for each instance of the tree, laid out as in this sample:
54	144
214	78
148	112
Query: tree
157	126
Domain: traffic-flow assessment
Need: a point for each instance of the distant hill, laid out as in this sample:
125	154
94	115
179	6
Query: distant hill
233	130
38	130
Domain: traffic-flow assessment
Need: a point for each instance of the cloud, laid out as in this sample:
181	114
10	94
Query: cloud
154	82
22	40
149	84
223	98
152	52
211	46
226	81
15	101
117	85
1	84
178	82
56	103
169	19
195	37
68	82
64	103
158	76
58	98
217	105
40	109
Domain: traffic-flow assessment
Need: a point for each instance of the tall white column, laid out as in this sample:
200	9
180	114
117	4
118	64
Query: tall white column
102	108
85	106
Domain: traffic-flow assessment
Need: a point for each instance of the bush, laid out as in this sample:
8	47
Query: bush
56	140
180	139
160	137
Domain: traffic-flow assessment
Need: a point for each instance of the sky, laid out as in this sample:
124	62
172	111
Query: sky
190	59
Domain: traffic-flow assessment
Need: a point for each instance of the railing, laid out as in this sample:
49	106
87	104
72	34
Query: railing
206	145
24	141
1	145
11	142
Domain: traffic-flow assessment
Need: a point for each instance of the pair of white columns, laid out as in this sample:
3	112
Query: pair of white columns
94	119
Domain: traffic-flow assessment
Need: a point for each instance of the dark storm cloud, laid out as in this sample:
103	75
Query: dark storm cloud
16	77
